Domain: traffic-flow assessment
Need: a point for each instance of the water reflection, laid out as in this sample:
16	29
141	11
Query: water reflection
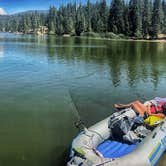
1	52
134	61
38	72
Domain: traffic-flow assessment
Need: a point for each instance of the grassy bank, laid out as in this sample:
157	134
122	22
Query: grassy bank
121	37
108	35
103	36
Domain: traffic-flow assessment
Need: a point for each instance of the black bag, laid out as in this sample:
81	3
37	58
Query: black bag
120	127
164	109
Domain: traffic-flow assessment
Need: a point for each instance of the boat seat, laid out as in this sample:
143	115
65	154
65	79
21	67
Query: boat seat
114	149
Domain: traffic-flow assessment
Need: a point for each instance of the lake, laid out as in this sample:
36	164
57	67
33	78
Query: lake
44	79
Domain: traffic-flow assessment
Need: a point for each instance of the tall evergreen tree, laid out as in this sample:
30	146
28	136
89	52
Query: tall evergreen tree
88	16
164	16
95	17
59	23
103	15
135	18
34	22
126	20
52	20
146	18
80	21
116	20
157	18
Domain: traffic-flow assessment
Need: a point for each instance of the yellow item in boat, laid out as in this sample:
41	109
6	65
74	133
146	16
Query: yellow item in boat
153	120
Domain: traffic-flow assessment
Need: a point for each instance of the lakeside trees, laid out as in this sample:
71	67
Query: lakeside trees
115	19
133	18
157	18
164	15
26	22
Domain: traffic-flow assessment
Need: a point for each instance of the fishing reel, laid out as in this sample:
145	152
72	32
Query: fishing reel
79	125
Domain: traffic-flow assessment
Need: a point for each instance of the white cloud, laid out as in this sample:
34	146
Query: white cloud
2	11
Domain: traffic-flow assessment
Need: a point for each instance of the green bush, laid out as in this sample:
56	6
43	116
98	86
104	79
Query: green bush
90	34
72	34
51	33
122	36
103	35
111	35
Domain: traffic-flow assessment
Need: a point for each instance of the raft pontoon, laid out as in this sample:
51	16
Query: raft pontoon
94	146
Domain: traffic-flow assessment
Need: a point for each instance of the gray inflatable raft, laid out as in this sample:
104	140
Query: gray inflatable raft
94	147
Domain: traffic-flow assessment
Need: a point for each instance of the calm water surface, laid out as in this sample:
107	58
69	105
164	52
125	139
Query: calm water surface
41	77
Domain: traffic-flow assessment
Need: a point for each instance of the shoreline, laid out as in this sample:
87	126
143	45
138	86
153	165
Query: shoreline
134	40
97	38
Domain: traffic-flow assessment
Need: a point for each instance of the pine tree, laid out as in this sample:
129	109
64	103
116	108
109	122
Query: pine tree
164	16
115	20
135	18
146	18
157	19
52	20
59	23
88	16
80	21
95	17
103	16
34	22
126	20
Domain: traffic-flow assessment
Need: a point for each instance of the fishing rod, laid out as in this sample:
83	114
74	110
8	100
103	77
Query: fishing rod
78	122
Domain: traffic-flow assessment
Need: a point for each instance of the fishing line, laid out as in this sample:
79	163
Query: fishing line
141	96
78	122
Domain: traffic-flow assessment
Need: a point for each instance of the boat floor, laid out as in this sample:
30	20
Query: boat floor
114	149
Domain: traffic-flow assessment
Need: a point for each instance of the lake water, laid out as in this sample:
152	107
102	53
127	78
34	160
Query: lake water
43	79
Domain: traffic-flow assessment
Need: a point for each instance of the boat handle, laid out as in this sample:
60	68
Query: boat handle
154	135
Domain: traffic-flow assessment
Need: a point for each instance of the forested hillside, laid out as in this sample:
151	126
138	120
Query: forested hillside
133	18
26	22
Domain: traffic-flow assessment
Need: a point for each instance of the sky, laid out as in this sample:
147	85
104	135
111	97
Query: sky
15	6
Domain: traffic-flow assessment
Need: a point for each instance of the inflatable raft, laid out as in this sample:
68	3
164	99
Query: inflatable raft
94	146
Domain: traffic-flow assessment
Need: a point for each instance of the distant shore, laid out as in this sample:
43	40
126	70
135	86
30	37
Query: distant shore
161	39
135	40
